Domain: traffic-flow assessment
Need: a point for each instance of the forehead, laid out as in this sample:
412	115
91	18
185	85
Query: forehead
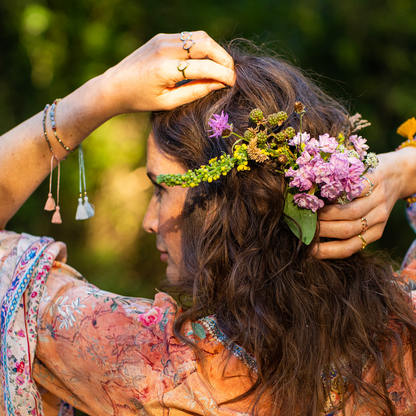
158	162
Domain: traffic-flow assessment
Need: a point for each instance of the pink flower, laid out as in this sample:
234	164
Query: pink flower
20	367
360	146
20	380
312	147
20	392
328	144
34	294
218	124
304	158
332	190
302	178
21	333
323	171
341	165
8	352
298	139
308	201
151	317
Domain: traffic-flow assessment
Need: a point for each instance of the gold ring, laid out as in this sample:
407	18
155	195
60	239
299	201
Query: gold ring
182	65
364	225
185	36
371	186
363	241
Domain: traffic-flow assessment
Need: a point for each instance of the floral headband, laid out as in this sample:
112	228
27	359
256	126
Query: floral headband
317	171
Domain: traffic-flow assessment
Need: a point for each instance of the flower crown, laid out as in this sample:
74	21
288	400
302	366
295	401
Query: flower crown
329	169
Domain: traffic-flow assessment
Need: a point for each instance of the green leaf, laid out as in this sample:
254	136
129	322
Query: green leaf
199	330
305	218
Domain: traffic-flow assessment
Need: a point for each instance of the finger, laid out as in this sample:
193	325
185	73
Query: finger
341	249
201	46
351	211
195	69
346	229
189	92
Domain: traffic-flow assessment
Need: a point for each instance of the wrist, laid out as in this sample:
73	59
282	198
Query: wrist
408	166
402	170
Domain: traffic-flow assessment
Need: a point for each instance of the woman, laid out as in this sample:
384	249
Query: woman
292	334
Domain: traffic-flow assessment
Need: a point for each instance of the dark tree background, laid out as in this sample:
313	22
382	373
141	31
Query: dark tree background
361	51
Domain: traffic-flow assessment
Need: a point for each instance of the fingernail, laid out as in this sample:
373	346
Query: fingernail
216	86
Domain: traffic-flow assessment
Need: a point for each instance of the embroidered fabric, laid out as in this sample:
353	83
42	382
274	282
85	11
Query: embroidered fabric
210	325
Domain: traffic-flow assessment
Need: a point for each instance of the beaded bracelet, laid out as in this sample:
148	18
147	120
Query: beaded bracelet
52	115
407	143
45	112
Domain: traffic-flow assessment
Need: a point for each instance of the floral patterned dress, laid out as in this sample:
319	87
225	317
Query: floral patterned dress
66	343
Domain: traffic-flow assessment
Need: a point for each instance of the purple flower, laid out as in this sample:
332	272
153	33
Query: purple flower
341	165
218	124
308	201
353	184
312	147
298	139
360	146
323	171
328	144
304	158
302	178
332	190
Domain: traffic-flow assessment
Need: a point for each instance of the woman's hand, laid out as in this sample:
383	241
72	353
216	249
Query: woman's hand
146	80
393	179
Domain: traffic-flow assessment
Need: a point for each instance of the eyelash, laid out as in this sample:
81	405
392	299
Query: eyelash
158	190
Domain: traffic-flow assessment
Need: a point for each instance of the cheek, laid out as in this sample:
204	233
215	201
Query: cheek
171	215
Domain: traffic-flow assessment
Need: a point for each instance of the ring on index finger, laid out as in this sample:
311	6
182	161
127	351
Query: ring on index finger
371	186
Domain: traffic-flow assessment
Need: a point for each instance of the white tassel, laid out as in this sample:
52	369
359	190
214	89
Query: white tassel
81	212
89	208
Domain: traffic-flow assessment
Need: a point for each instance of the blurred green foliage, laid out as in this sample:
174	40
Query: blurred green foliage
361	51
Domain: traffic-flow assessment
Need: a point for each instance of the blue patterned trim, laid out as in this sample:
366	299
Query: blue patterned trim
29	259
211	326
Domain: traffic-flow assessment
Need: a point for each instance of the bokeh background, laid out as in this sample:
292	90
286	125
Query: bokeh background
361	51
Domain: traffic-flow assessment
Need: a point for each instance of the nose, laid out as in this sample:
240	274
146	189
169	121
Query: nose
151	218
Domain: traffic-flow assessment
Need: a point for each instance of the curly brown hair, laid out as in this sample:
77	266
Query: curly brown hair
299	316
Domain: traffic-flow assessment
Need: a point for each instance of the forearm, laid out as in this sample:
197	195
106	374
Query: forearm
404	168
25	156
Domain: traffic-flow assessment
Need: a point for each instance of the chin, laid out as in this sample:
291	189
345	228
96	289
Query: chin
172	274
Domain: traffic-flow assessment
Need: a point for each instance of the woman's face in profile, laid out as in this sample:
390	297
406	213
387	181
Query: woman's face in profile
164	213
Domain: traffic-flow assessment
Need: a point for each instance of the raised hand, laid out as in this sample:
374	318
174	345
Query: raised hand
146	80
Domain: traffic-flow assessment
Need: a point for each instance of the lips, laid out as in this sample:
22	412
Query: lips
164	255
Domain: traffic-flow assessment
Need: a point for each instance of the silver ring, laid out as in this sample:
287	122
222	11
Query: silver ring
371	186
186	47
185	36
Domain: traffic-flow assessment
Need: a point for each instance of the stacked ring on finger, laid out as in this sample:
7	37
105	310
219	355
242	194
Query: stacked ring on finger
364	243
187	42
364	225
371	186
182	65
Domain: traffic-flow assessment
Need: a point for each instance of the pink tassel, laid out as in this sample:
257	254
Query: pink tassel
50	203
56	218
